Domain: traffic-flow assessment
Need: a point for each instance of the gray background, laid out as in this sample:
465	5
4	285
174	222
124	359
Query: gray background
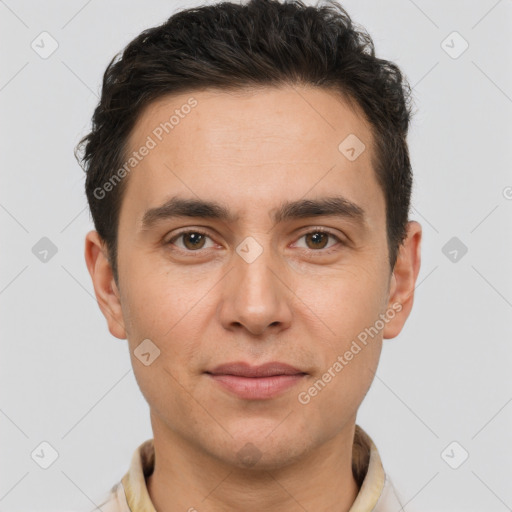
65	380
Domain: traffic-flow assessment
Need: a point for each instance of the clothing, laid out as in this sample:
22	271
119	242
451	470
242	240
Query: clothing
376	493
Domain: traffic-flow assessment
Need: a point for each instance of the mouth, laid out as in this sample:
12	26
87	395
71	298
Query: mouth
256	382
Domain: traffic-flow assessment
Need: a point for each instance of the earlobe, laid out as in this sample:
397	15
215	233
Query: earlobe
403	281
105	289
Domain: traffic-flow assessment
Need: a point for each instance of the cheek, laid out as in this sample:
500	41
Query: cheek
341	392
163	312
152	310
346	299
348	303
158	301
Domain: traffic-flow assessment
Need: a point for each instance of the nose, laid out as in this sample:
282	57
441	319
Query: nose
255	296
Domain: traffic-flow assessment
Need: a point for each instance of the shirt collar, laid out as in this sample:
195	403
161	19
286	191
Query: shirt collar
376	493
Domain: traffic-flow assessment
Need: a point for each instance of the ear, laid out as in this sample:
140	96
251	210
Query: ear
105	288
403	280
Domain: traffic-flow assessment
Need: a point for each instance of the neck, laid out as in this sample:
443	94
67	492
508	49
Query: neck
189	479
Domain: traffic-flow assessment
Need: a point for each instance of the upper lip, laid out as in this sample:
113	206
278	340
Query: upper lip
242	369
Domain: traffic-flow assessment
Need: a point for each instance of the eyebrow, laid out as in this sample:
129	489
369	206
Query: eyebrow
175	207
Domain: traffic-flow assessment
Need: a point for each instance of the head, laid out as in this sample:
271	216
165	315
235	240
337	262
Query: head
249	181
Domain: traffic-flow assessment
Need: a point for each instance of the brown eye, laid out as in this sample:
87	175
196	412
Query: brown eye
193	240
317	239
190	241
317	242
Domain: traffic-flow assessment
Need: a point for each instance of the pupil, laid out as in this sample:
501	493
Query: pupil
317	238
195	239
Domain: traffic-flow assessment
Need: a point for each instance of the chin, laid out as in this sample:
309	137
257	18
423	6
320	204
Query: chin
265	450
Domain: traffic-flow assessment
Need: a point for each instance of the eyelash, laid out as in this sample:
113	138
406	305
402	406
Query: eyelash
313	251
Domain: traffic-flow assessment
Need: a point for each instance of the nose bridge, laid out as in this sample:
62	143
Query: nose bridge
254	276
255	298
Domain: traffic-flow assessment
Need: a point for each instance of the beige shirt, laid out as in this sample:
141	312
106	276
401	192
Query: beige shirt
376	493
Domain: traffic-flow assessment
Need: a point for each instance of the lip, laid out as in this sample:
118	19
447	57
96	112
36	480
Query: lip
242	369
256	382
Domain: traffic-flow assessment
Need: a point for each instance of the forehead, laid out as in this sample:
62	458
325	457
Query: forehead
250	148
285	114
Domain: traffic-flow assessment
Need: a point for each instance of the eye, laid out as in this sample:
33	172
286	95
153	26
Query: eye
318	239
194	240
191	240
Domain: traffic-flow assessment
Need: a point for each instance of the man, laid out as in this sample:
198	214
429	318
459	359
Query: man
249	180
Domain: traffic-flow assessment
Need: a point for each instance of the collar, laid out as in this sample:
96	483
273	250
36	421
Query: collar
376	493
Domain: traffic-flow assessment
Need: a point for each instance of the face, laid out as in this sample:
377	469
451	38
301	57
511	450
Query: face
286	261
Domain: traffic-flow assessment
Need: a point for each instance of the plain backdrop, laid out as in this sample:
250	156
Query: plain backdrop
443	390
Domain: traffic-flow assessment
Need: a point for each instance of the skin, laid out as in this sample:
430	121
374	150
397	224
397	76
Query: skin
252	150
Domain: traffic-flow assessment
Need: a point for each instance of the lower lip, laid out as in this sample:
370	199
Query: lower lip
257	388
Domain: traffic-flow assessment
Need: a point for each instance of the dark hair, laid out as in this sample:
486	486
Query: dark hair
232	46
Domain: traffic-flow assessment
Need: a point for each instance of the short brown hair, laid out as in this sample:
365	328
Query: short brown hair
261	43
